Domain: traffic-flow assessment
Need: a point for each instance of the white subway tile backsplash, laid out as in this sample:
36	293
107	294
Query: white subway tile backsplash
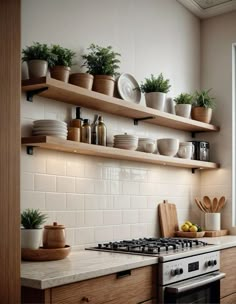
103	234
74	201
112	217
148	215
80	218
149	189
56	167
130	188
102	187
65	184
138	230
74	168
92	170
84	235
84	186
121	232
32	199
45	183
66	218
70	236
130	216
55	201
27	181
95	202
116	187
93	218
138	202
121	201
33	163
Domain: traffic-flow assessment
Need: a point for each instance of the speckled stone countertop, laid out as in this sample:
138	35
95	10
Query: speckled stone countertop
79	266
86	264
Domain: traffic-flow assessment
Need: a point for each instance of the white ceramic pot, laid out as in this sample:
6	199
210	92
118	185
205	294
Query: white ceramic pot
183	110
186	150
37	68
149	147
31	238
212	221
156	100
168	146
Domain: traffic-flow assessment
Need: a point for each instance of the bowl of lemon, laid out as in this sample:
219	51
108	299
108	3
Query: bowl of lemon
190	230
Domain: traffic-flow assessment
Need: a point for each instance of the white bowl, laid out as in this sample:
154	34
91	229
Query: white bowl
144	142
168	146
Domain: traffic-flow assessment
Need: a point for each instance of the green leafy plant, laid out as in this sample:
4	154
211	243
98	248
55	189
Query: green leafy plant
101	61
155	84
38	51
184	98
63	56
203	99
32	218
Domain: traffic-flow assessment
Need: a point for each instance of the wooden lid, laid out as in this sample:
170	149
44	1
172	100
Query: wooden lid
54	226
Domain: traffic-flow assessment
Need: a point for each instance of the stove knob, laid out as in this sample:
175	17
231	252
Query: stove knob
176	271
173	272
215	262
181	271
211	263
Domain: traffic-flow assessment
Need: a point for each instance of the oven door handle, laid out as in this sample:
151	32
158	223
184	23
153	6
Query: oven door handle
195	282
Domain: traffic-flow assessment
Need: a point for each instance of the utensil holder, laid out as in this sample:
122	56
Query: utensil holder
212	221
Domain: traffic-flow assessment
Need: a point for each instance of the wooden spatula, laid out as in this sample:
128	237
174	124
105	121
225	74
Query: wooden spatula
214	204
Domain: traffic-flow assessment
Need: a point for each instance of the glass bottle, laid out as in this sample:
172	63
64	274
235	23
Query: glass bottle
86	132
94	131
102	132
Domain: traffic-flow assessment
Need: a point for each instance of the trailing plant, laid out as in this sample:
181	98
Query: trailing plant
32	219
155	84
101	61
63	56
38	51
184	98
203	99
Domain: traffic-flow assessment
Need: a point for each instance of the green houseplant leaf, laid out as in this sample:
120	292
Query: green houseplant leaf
32	219
155	84
203	99
184	98
63	56
101	61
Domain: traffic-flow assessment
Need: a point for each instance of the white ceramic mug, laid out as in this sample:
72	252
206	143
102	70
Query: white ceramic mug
149	147
186	150
212	221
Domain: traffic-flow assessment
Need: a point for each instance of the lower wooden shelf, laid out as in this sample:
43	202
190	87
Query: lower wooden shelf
58	144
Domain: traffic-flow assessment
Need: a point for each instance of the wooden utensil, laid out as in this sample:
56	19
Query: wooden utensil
214	204
207	203
168	219
221	204
198	203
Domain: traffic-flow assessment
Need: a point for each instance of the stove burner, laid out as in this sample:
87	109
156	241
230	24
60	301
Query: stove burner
151	245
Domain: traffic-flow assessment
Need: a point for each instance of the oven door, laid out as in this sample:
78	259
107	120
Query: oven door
204	289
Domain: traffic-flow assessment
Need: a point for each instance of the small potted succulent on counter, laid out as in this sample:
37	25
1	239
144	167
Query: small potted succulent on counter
183	104
31	233
202	106
102	63
63	60
38	57
155	89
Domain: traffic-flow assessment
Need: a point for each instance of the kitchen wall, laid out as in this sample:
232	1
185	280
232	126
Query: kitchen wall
217	36
100	199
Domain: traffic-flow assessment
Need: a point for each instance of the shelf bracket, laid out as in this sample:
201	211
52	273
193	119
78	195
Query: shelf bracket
136	120
193	134
30	150
30	94
193	170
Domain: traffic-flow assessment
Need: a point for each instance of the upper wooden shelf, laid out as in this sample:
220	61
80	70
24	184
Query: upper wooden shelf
58	90
58	144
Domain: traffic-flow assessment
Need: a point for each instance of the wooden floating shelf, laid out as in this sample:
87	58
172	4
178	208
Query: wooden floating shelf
58	144
68	93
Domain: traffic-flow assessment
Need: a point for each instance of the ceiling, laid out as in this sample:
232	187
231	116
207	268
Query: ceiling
209	8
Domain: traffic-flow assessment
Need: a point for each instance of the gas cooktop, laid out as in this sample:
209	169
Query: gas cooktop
164	248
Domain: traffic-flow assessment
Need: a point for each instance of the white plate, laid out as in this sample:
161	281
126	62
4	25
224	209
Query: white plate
49	133
126	86
49	122
62	129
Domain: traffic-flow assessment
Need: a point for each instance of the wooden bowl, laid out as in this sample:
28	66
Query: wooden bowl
44	254
190	234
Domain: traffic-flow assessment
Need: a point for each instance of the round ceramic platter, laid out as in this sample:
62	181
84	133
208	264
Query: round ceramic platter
128	88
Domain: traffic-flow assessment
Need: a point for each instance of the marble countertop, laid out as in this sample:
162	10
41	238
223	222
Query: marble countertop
86	264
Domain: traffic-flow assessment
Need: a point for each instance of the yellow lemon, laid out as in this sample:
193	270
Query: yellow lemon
188	223
185	227
193	228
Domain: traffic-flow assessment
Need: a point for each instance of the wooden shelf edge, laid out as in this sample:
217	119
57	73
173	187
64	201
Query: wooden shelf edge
58	144
70	93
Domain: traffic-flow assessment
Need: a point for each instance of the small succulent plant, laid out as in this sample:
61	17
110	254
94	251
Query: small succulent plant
203	99
155	84
184	98
32	219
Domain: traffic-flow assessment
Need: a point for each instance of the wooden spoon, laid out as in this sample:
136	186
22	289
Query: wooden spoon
214	204
198	203
221	203
207	203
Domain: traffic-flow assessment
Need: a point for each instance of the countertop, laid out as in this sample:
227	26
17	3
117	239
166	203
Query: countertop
86	264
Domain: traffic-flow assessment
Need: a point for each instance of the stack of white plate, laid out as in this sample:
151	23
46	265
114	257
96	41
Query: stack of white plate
50	127
125	141
146	144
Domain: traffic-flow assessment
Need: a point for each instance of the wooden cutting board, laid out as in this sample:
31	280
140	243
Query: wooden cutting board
168	219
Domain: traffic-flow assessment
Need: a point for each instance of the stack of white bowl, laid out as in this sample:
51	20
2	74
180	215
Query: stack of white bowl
168	146
146	145
126	141
50	127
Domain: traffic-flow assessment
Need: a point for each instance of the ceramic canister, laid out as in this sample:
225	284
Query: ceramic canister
54	236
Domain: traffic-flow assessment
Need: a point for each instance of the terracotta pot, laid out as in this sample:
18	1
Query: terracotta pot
31	238
104	84
37	68
202	114
60	72
54	236
156	100
83	80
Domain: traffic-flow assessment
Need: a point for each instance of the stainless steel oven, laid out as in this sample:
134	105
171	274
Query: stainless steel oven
192	280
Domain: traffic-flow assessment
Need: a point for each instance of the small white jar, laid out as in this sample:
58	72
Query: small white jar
186	150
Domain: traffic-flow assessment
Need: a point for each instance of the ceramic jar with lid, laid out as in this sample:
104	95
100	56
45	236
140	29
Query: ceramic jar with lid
54	236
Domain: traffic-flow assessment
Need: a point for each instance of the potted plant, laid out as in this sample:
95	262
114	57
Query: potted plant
183	104
31	233
203	105
155	89
62	63
38	57
102	63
